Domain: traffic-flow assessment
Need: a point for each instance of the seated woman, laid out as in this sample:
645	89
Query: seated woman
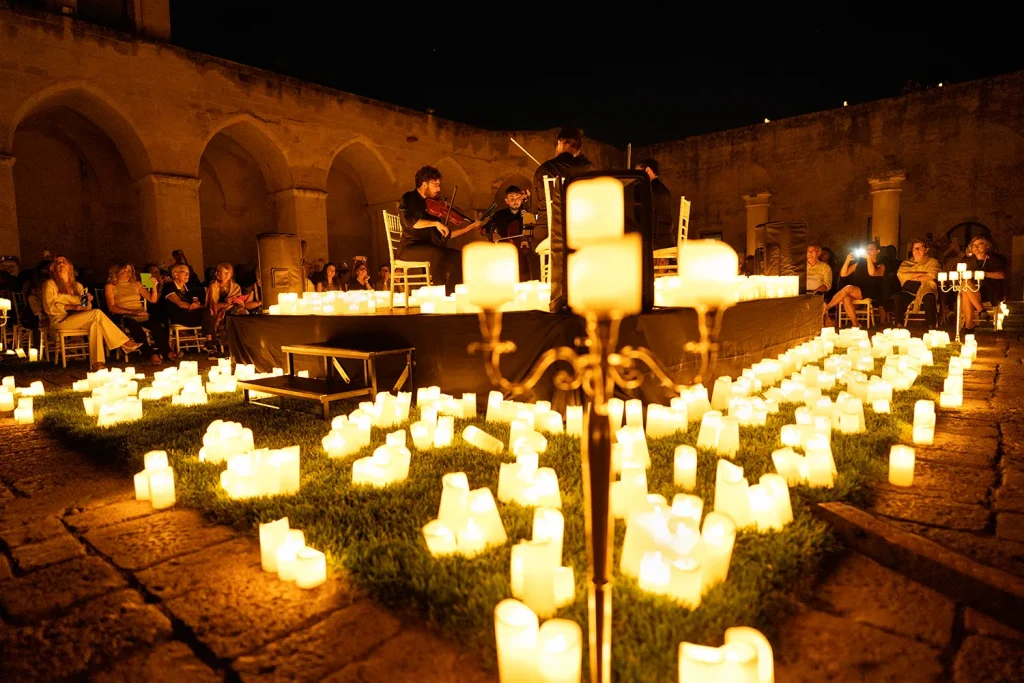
917	278
223	298
182	303
125	294
69	307
329	279
361	281
994	266
865	280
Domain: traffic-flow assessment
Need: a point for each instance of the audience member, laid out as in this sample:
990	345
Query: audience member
984	258
918	284
819	275
329	279
125	296
361	279
384	279
183	304
223	298
69	307
864	279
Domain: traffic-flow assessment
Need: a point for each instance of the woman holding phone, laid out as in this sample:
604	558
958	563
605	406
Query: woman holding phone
865	280
125	296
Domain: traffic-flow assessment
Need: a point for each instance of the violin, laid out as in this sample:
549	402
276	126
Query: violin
453	217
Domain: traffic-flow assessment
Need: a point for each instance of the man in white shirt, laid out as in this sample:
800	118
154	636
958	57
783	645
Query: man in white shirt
819	275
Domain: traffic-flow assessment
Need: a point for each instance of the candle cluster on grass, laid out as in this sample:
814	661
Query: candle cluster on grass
262	472
467	521
389	463
348	435
531	652
224	440
19	399
538	416
155	483
525	483
537	575
283	551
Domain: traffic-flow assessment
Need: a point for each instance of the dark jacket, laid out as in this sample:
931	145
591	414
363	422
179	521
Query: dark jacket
665	235
562	166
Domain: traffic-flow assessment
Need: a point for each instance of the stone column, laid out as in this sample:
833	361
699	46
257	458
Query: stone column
885	207
170	217
303	212
10	243
757	213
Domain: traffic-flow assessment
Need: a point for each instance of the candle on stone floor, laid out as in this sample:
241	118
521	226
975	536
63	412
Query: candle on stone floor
901	465
272	535
24	414
482	440
924	422
286	554
685	467
310	568
719	535
765	656
560	651
516	631
440	539
33	355
161	488
6	401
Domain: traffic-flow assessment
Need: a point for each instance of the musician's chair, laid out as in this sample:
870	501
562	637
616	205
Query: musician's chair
400	270
666	259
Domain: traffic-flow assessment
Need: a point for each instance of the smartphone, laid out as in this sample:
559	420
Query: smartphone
860	253
147	281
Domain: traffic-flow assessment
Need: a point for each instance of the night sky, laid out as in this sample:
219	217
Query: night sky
637	72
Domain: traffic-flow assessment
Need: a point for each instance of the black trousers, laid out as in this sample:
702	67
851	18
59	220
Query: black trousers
445	263
136	329
907	295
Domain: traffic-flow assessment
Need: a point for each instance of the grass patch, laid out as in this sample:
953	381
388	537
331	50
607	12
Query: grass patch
376	533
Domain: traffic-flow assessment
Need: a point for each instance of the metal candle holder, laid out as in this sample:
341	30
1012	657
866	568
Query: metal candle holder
597	370
959	284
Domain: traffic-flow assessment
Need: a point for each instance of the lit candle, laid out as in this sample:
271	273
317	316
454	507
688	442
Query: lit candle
549	524
594	211
731	495
491	271
574	420
710	424
33	355
310	568
700	663
728	437
634	413
454	497
161	488
272	535
685	467
286	554
516	631
654	573
719	535
482	440
707	273
616	408
901	465
559	651
440	539
6	402
483	512
687	506
756	639
686	581
590	288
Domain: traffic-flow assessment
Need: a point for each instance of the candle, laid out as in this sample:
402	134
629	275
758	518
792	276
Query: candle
516	631
549	524
161	488
454	496
756	639
710	424
728	437
483	512
654	573
468	406
482	440
731	496
634	413
590	288
686	581
491	271
685	467
559	651
700	663
574	420
764	511
616	408
778	487
6	402
594	211
707	273
33	354
286	554
719	535
272	535
440	539
310	568
687	506
901	465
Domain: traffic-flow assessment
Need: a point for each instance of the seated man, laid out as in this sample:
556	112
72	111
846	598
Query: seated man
424	238
508	224
919	287
819	275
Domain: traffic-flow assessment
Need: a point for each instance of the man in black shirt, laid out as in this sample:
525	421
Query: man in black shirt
424	237
665	235
568	161
507	225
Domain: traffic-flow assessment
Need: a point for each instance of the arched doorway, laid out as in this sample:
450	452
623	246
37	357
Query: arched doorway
239	171
359	186
73	192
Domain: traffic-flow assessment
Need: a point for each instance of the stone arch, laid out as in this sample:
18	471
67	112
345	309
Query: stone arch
360	185
453	174
839	178
95	105
77	159
241	167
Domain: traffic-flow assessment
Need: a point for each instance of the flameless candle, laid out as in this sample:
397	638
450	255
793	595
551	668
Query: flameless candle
707	273
756	639
901	465
516	631
574	420
440	539
444	432
779	489
687	506
616	409
310	568
33	355
764	509
710	425
594	211
559	651
286	554
161	488
719	535
549	524
6	402
590	288
731	495
491	271
272	535
482	440
685	467
634	413
728	437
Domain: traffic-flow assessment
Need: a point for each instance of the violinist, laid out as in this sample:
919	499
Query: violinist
425	235
507	225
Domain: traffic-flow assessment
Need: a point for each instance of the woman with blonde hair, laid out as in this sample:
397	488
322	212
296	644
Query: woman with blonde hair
69	307
125	295
984	258
223	298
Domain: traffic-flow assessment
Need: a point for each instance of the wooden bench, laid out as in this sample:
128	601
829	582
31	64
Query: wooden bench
328	389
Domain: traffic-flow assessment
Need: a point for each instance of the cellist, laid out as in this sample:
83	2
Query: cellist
424	236
507	224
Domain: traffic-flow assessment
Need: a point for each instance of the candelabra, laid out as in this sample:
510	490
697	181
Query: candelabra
597	370
959	281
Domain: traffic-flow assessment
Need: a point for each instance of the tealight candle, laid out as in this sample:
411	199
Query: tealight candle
310	568
559	651
516	631
901	465
685	467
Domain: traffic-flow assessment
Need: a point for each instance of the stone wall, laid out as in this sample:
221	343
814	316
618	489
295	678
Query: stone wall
211	152
961	148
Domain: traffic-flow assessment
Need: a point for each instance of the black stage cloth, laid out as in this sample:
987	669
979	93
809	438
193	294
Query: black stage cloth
751	331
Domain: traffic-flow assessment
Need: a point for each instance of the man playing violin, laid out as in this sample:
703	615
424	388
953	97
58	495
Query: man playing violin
507	225
424	237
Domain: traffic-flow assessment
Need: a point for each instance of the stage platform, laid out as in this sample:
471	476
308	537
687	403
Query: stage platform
751	331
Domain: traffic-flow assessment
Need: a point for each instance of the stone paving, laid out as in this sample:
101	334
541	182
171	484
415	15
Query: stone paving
96	585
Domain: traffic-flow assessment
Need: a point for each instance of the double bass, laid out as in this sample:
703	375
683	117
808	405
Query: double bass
454	218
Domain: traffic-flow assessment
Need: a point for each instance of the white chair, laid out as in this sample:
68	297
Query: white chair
672	253
865	310
393	228
186	337
544	251
70	345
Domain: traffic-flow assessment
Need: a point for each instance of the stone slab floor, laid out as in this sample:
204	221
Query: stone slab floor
94	585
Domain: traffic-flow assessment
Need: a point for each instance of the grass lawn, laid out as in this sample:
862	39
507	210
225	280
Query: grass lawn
376	533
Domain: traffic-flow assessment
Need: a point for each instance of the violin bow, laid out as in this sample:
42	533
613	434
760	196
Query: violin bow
524	151
450	205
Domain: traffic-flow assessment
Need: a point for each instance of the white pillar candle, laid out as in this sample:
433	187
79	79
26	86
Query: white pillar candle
494	400
740	662
700	664
686	581
616	409
590	288
728	443
574	420
33	355
764	510
483	512
654	573
721	393
719	535
549	524
594	211
756	639
286	554
453	510
731	495
161	488
516	631
779	489
310	568
444	432
468	406
685	467
901	465
6	402
687	506
272	535
634	413
440	539
560	651
395	438
710	425
491	272
482	440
